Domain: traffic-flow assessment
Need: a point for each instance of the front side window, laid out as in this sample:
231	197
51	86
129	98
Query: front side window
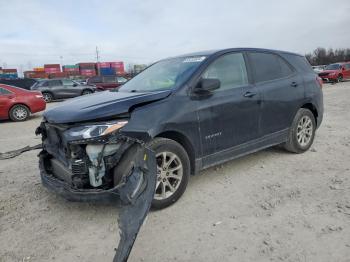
269	67
164	75
109	79
230	70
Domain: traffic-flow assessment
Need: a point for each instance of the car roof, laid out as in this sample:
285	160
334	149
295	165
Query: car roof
212	52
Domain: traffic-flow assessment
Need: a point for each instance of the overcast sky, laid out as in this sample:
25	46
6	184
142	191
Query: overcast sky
35	32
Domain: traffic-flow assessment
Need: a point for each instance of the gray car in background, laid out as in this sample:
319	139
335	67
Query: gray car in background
61	88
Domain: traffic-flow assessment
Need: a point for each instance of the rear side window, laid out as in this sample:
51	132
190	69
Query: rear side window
4	91
269	67
55	83
347	66
299	62
230	70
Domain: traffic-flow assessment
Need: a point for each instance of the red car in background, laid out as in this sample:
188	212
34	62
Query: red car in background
17	103
336	72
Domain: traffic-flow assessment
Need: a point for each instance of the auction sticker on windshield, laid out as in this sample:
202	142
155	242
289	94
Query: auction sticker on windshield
195	59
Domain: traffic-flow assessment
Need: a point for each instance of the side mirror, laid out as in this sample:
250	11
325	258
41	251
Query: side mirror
75	84
206	85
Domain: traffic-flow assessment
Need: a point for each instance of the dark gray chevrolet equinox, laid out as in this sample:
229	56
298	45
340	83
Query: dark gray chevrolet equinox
194	111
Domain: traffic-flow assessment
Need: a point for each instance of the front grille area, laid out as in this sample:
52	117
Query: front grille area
79	167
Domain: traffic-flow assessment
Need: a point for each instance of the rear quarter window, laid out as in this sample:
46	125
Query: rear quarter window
299	62
4	91
267	66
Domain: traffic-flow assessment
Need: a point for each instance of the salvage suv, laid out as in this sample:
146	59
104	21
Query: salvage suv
194	111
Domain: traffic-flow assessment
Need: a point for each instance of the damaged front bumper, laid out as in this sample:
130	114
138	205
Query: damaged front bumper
115	168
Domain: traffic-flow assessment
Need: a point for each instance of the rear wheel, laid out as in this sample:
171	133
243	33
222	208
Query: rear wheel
173	171
302	132
47	97
19	113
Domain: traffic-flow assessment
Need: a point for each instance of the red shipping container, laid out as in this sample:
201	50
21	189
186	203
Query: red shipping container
9	70
71	69
53	66
88	72
58	75
119	67
103	65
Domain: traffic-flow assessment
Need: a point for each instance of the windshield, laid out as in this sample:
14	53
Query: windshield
333	67
163	75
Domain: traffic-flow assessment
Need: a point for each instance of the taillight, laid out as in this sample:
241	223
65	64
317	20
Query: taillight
319	81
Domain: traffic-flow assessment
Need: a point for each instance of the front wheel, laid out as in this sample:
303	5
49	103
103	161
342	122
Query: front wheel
87	92
173	171
302	132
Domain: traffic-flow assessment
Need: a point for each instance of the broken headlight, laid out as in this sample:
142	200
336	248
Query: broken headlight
93	130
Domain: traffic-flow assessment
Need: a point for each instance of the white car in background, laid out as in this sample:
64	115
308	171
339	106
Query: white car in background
319	68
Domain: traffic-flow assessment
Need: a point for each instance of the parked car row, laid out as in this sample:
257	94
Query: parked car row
62	88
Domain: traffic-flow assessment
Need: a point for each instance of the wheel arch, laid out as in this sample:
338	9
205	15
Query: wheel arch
312	108
184	142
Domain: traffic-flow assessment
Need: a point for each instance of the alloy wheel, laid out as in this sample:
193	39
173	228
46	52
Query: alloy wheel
169	174
20	113
304	131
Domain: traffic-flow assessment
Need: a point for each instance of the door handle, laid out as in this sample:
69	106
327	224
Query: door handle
249	94
294	84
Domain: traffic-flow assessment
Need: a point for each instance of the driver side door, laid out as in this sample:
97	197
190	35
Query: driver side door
229	116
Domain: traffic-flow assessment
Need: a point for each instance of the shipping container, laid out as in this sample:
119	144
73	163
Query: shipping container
119	67
87	66
103	65
107	71
58	75
9	71
35	74
88	72
39	69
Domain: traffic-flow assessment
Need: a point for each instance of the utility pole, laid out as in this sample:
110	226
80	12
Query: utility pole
97	55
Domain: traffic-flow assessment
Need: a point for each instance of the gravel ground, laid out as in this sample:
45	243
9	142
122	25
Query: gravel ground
268	206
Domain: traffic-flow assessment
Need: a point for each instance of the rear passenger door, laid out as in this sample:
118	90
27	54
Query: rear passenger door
281	89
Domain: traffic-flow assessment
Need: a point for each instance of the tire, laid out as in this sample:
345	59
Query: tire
302	132
19	113
339	78
48	97
177	178
86	92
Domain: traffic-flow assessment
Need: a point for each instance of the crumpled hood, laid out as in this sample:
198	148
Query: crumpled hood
100	106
